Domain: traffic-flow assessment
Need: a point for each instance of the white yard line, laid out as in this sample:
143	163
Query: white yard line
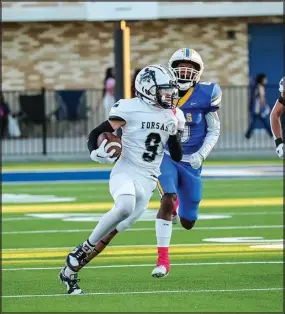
140	229
143	292
233	214
252	213
148	265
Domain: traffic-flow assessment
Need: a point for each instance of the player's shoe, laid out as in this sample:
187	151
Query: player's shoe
175	219
163	266
71	283
160	272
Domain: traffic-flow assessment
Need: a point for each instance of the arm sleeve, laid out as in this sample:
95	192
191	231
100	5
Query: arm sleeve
213	133
216	98
175	146
94	134
281	100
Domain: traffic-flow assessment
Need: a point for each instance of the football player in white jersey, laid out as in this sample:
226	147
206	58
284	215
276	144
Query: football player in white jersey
275	121
148	123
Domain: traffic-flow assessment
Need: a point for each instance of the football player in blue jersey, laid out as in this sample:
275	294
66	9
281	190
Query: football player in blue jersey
199	102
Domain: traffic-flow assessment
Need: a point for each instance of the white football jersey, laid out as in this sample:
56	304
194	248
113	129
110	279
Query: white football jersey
282	85
145	133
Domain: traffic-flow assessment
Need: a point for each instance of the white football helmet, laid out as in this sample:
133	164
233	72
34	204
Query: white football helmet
282	85
187	77
157	85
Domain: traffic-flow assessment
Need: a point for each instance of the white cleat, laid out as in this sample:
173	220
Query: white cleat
159	272
175	219
71	283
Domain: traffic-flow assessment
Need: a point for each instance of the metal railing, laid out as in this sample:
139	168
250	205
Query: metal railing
69	137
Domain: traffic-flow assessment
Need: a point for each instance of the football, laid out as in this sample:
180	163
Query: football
113	142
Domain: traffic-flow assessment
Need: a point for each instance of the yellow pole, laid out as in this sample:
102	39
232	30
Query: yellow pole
127	59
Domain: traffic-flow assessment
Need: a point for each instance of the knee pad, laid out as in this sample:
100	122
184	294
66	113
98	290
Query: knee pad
131	220
125	205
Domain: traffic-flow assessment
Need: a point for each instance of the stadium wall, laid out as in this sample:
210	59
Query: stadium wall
75	55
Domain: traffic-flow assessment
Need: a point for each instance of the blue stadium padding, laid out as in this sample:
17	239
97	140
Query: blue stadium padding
41	176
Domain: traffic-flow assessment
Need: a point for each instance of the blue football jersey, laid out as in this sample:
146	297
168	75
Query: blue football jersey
205	97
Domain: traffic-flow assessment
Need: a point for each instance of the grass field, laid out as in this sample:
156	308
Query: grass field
243	272
89	164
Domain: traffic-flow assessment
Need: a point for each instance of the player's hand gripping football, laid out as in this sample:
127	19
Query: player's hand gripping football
100	155
280	150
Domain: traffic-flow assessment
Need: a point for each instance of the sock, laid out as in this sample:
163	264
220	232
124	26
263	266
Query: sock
163	230
163	258
69	272
163	235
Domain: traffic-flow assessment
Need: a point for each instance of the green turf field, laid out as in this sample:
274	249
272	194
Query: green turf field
244	275
90	164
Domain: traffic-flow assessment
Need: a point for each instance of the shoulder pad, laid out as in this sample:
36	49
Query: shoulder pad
216	96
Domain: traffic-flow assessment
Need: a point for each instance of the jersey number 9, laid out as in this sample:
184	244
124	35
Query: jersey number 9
151	145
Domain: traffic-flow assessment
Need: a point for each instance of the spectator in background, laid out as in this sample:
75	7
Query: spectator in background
133	90
4	113
109	91
258	108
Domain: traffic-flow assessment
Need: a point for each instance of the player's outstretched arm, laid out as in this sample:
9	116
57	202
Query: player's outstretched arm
213	134
277	111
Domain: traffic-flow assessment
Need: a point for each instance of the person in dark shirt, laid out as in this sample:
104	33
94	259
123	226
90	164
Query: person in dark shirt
4	113
276	122
259	109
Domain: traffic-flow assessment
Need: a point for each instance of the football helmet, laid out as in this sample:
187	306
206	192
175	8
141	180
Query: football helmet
282	85
186	77
157	85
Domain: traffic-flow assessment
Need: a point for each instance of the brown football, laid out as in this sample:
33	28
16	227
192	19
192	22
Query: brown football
111	138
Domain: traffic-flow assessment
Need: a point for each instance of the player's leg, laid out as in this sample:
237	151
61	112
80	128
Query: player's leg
250	129
167	186
123	191
144	190
175	216
189	194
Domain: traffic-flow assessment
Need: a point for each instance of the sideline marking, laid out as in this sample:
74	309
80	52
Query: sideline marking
67	207
149	265
132	250
140	229
140	292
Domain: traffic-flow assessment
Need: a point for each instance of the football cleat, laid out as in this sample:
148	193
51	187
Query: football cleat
71	283
175	219
80	256
160	272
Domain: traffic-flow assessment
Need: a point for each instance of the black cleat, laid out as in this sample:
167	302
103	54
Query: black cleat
80	256
71	283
